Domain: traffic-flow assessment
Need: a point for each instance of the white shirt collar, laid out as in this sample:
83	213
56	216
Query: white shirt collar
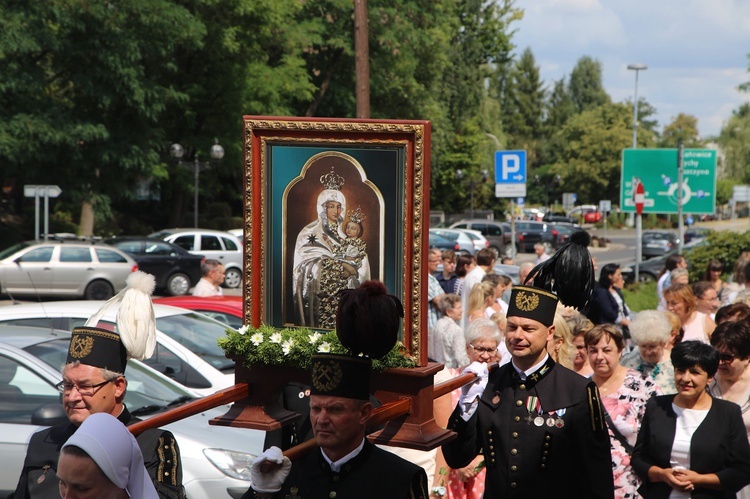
336	466
531	370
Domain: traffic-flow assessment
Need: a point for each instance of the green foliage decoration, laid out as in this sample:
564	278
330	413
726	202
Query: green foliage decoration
294	347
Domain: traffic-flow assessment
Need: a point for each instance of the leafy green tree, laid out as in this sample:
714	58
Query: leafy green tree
733	139
586	87
683	128
82	93
524	107
590	158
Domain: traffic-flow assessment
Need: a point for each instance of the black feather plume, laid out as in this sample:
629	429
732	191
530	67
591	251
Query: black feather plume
368	319
569	273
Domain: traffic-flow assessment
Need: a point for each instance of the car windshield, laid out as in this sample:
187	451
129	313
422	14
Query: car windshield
449	235
9	251
655	236
148	391
200	334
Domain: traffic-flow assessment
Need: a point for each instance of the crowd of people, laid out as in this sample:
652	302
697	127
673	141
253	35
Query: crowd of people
663	377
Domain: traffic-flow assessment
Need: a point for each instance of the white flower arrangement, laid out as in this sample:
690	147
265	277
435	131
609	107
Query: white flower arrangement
294	347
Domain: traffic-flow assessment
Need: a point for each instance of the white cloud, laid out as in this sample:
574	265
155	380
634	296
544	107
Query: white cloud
696	50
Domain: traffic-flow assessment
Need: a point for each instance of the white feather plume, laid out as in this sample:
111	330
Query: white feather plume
136	322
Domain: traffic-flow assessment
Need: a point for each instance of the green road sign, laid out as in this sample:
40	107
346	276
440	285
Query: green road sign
656	169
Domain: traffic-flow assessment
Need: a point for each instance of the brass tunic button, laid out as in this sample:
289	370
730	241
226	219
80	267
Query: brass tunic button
489	432
514	451
545	453
332	494
513	485
543	466
515	434
522	387
519	403
544	459
492	454
547	438
546	445
514	468
517	419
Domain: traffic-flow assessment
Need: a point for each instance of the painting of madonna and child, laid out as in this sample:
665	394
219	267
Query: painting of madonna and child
333	218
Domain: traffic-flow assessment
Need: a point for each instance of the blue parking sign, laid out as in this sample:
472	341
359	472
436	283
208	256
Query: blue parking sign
510	173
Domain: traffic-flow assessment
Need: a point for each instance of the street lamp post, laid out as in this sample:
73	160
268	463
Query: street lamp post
460	176
177	152
638	218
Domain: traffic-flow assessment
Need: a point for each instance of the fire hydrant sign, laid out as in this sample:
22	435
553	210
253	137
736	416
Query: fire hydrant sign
650	176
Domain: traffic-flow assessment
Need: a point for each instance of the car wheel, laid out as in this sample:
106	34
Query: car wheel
99	290
509	251
645	277
233	278
178	284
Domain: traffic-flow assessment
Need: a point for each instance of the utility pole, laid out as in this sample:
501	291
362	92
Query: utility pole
362	58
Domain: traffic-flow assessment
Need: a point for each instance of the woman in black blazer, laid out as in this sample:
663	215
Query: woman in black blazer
691	443
604	307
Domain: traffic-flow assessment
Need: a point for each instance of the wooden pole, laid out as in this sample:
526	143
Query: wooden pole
225	396
362	58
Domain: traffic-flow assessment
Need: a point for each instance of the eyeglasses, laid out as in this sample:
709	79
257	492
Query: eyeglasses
726	357
83	390
481	350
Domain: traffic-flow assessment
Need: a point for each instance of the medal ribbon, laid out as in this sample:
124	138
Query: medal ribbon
531	402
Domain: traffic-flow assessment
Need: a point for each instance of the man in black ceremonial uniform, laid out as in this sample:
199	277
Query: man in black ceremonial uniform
539	425
94	382
346	465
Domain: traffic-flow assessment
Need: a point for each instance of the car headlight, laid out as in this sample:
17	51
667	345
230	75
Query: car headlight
232	463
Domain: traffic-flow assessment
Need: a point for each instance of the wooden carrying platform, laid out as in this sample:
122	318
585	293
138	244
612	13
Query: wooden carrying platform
409	425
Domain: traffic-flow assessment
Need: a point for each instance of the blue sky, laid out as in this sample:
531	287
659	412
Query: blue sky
696	50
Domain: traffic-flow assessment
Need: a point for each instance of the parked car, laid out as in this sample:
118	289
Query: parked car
465	241
176	270
214	245
215	459
225	309
64	268
186	348
649	270
437	241
238	233
497	233
559	217
696	234
657	242
592	216
529	233
579	212
564	231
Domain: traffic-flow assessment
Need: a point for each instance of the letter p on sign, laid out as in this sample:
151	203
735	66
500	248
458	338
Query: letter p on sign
511	163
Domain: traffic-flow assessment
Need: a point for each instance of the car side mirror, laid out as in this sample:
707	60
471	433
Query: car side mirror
50	414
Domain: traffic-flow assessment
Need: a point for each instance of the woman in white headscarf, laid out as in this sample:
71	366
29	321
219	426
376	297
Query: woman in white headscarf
102	460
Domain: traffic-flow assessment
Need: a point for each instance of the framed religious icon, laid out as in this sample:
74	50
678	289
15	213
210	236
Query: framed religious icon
329	204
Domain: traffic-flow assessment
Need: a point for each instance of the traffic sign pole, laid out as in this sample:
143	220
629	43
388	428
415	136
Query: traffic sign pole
680	227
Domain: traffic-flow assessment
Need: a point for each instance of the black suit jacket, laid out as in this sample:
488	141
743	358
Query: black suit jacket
374	473
161	456
525	460
603	308
719	446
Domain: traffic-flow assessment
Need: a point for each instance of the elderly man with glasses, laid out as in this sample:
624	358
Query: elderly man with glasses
94	382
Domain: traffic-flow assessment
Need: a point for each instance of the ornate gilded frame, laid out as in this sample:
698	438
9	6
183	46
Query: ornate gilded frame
395	155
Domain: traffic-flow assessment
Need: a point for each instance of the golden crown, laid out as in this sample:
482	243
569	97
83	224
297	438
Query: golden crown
356	216
332	180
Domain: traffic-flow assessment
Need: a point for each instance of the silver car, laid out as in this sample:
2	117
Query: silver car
74	269
469	241
215	459
214	245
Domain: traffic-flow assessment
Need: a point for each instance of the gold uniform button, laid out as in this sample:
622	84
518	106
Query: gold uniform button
513	485
514	451
547	438
546	445
517	419
544	459
515	434
522	387
332	494
545	453
489	432
543	466
514	468
519	403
